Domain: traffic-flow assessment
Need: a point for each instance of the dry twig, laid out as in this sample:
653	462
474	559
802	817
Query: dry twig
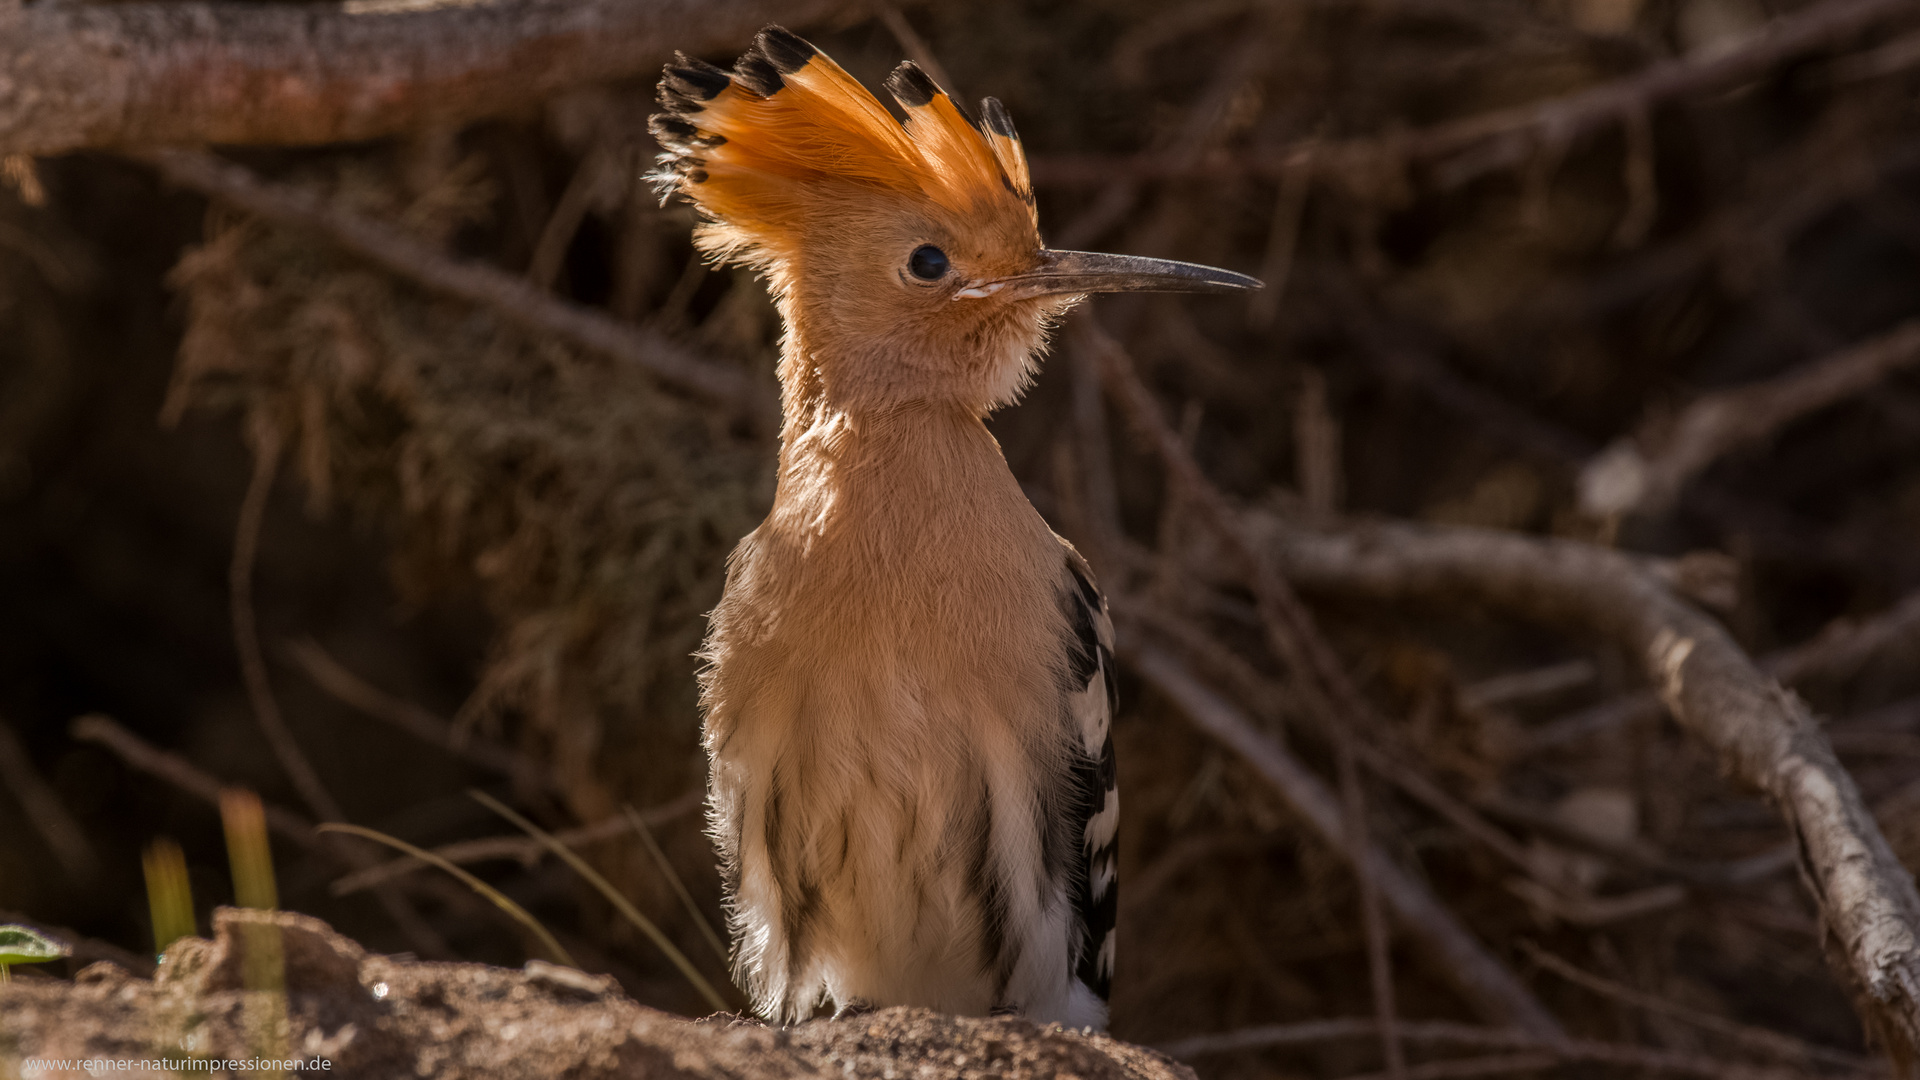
1838	650
511	298
1488	985
521	849
333	677
246	637
183	774
1768	1042
1470	147
266	707
1647	472
45	812
1323	684
1762	733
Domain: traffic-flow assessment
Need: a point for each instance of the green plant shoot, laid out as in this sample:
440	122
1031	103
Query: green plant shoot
25	945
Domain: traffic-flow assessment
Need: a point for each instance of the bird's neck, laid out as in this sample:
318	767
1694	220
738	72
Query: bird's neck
895	475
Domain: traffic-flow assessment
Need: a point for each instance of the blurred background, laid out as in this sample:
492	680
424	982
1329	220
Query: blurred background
1511	247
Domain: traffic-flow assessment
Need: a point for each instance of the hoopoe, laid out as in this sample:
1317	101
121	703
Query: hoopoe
909	680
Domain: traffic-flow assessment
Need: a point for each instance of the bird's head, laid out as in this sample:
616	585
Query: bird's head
905	258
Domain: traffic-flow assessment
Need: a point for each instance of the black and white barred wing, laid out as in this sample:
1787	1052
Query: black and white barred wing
1093	701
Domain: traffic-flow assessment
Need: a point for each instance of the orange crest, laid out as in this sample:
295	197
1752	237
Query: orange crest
755	147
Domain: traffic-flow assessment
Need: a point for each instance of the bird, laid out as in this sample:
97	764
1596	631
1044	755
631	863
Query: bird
908	684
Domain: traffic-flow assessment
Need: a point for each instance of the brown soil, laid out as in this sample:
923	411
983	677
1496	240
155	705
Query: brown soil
367	1015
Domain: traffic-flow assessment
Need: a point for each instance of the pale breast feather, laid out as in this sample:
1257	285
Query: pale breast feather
1092	702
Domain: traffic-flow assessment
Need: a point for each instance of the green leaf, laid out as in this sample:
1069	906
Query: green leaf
22	945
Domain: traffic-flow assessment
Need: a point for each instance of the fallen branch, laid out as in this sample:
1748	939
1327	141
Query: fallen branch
1763	734
1839	649
1646	472
146	74
512	298
1473	146
1488	985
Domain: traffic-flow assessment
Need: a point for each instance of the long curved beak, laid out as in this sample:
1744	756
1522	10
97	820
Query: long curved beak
1065	272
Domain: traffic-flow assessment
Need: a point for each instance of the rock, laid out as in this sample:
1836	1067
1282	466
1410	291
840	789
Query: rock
366	1015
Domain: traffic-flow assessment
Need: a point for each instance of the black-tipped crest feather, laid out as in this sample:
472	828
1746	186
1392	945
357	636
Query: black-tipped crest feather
996	118
671	130
910	86
692	79
798	112
786	51
758	74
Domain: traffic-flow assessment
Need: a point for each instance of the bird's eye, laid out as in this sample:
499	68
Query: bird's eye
928	263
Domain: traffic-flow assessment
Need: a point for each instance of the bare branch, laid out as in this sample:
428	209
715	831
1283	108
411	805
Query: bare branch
146	74
1646	473
334	677
1493	990
1320	680
524	850
512	298
167	766
1839	649
45	812
1770	1042
246	638
1473	146
183	774
1763	734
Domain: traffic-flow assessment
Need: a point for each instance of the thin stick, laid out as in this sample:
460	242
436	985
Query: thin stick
1772	1042
499	899
1842	647
1487	984
1379	958
45	812
521	849
336	679
1321	681
550	251
1473	146
1764	735
673	878
266	707
246	638
612	895
1648	472
512	298
181	773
